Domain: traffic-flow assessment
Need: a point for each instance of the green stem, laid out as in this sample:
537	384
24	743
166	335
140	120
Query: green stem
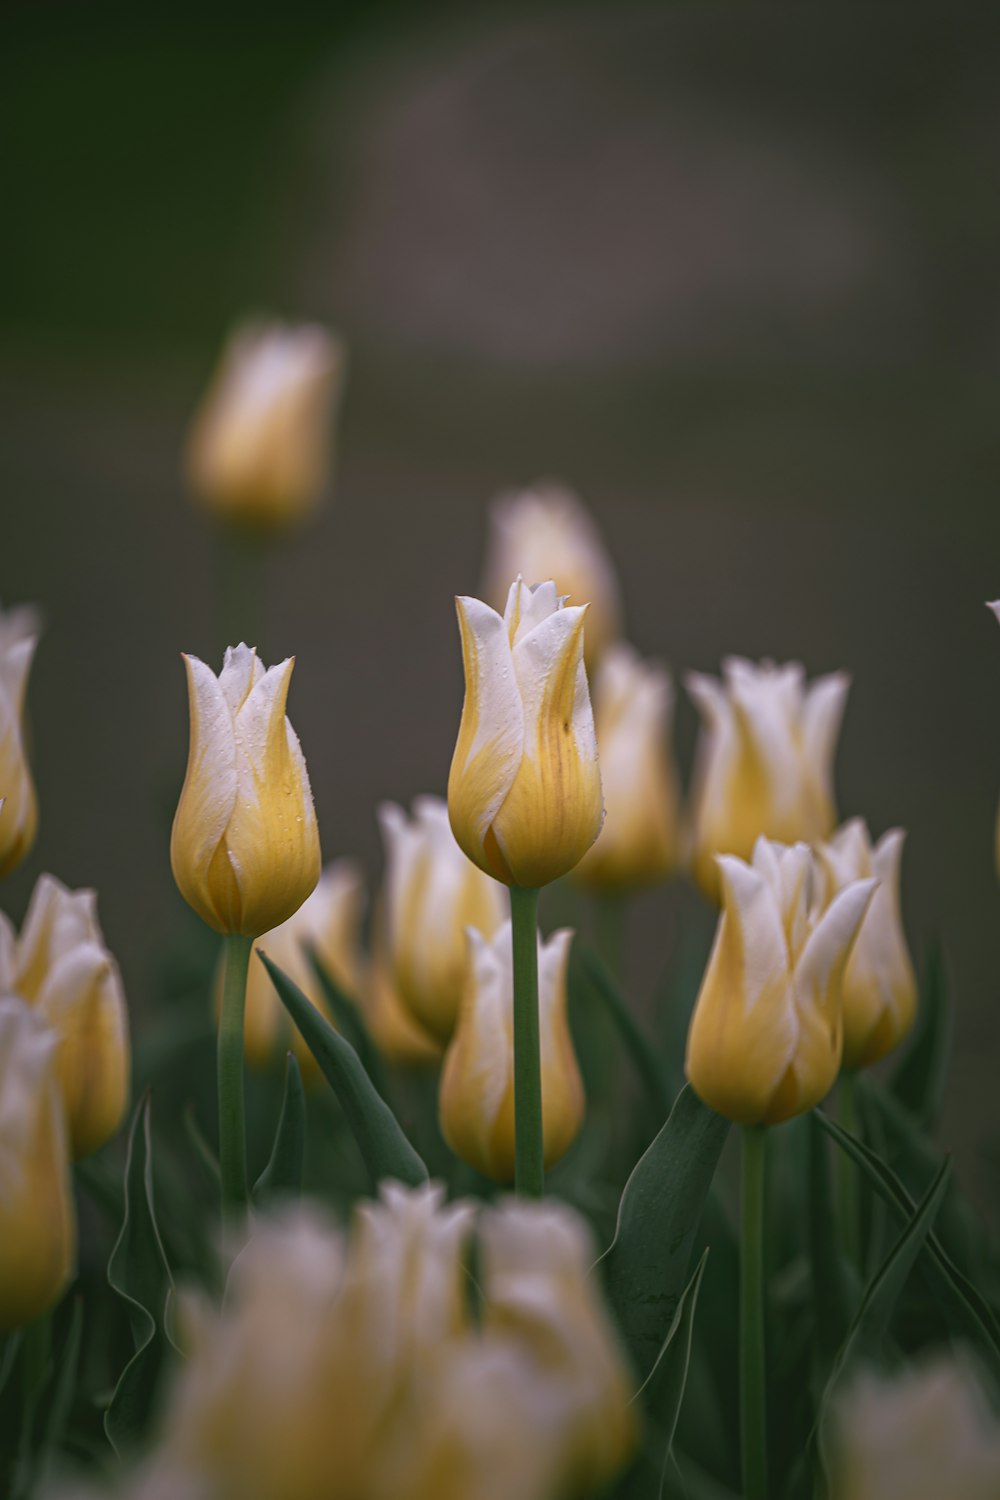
529	1167
848	1183
753	1427
232	1129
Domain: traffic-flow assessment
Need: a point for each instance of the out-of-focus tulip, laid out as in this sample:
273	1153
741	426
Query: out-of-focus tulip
546	532
259	454
37	1223
18	805
524	793
60	966
245	846
766	1035
391	1024
927	1434
633	706
432	893
764	763
477	1085
879	986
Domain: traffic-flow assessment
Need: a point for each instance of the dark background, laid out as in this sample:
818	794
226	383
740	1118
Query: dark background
731	271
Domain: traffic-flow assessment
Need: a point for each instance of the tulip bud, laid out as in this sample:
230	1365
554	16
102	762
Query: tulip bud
546	532
477	1085
766	1034
18	806
764	762
432	893
391	1024
259	451
245	846
37	1224
524	793
633	705
879	986
60	966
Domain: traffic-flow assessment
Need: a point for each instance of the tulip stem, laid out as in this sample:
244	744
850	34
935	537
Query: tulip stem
232	1128
753	1425
848	1183
529	1165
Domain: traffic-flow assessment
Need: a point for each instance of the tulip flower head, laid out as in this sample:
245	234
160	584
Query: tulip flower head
764	762
432	893
524	793
879	986
259	452
245	846
547	532
477	1084
392	1025
633	704
60	966
766	1035
18	806
37	1223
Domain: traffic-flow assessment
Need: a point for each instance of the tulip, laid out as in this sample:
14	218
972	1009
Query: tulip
432	893
60	966
524	793
18	806
391	1025
633	704
259	451
477	1085
546	532
764	762
245	847
766	1035
879	987
37	1223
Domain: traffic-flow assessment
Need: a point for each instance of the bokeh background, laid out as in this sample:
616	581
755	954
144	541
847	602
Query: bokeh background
730	271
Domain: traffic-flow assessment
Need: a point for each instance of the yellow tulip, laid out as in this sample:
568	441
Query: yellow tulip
245	846
546	532
391	1025
18	805
259	451
37	1223
766	1034
524	793
879	986
633	705
60	966
432	893
764	761
477	1084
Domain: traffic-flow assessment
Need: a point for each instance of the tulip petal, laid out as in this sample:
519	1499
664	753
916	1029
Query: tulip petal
829	944
242	669
207	800
822	712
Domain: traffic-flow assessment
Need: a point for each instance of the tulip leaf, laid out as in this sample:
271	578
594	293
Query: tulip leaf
380	1137
202	1150
639	1048
59	1399
350	1022
919	1077
645	1268
282	1177
831	1288
139	1273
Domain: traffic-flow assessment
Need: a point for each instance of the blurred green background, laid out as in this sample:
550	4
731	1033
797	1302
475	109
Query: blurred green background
730	271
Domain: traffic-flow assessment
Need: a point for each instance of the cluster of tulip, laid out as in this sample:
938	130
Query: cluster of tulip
444	1344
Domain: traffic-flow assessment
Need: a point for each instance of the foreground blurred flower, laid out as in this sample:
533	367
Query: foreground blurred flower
928	1434
767	1031
633	703
37	1224
547	532
477	1085
524	793
432	893
879	986
259	450
18	806
352	1370
764	763
60	966
245	846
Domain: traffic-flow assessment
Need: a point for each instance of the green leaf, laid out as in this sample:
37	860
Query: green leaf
636	1044
60	1398
645	1268
919	1077
350	1023
380	1137
663	1392
831	1288
282	1177
138	1272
